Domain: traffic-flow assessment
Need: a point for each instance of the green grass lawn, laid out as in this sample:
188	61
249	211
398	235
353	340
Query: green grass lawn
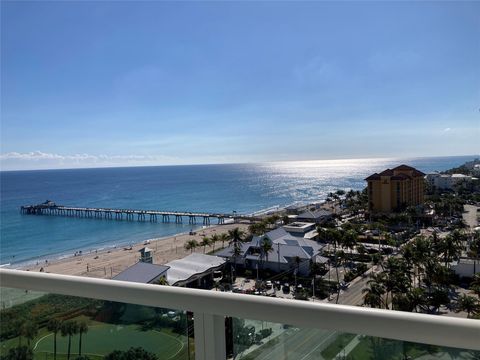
337	345
103	339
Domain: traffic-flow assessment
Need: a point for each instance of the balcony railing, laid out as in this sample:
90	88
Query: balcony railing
211	307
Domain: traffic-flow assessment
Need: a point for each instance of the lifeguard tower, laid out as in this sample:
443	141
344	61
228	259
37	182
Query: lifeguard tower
146	255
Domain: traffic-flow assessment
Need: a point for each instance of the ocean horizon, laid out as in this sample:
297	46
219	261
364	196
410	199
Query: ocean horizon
244	188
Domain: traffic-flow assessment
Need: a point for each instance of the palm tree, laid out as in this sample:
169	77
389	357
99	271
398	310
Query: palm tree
191	245
18	324
376	286
223	237
29	330
297	261
265	247
236	252
205	242
257	228
82	329
450	248
475	284
423	251
474	250
349	241
213	239
69	328
372	297
437	298
162	281
416	298
236	235
467	303
54	326
334	236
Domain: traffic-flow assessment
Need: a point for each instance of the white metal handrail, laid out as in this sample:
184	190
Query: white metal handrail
210	307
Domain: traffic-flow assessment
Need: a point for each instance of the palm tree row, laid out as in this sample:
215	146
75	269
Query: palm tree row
261	227
29	330
67	328
421	279
346	239
206	241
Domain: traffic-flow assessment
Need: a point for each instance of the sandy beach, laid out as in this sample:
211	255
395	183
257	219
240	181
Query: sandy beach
108	263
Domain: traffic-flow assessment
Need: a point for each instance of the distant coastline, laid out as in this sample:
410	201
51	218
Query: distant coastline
239	163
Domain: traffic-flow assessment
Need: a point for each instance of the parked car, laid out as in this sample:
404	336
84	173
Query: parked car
286	288
268	284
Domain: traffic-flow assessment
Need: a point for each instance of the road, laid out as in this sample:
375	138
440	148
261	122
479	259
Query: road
470	216
297	344
353	295
307	344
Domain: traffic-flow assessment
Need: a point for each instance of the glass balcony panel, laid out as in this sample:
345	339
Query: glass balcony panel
291	343
90	329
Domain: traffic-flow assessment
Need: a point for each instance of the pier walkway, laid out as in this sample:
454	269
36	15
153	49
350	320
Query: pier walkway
51	208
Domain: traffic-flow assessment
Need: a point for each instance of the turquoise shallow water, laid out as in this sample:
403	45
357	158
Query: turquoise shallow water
244	188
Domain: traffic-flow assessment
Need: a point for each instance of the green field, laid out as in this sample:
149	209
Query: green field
103	339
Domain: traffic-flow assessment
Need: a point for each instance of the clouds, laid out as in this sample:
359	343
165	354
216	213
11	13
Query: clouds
44	160
39	155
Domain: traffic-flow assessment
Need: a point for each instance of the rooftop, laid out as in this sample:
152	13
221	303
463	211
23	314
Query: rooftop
316	214
142	273
397	173
193	264
284	247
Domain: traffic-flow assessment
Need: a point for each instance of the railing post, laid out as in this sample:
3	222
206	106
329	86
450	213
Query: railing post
209	332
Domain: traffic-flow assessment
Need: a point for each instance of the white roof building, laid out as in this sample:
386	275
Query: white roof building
192	268
447	181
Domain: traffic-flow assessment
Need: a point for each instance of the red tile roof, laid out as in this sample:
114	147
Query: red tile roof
404	167
400	176
388	172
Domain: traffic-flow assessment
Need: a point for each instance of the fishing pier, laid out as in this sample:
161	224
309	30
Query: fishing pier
51	208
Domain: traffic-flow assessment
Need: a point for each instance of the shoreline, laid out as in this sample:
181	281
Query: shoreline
103	248
110	262
41	261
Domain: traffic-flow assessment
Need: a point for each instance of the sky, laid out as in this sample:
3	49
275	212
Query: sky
89	84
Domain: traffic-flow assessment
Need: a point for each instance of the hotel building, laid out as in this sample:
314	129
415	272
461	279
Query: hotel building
394	189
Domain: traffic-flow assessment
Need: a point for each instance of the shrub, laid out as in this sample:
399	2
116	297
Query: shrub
137	353
265	333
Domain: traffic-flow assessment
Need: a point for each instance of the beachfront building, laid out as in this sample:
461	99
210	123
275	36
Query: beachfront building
144	273
194	270
317	216
394	189
305	230
286	252
448	181
294	209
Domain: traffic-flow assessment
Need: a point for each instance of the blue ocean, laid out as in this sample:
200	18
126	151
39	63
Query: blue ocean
244	188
